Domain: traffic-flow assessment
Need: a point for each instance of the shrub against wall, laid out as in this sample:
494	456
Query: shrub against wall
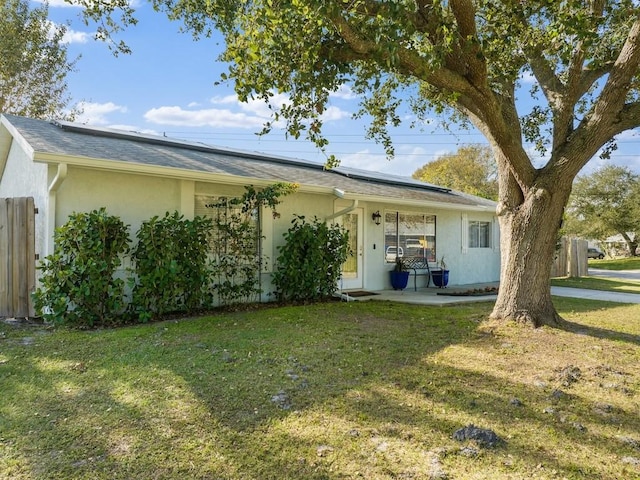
171	266
177	264
310	261
78	284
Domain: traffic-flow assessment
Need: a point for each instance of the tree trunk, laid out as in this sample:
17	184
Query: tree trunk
529	233
632	243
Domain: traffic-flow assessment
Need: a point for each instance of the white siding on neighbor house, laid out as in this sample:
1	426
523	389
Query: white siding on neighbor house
23	178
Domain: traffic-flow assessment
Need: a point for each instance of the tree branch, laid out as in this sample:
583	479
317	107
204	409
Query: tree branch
470	50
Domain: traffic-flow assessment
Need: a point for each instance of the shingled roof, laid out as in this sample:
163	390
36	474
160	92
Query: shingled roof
91	147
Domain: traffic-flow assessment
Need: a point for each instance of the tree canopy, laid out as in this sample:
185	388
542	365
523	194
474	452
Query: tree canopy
606	203
466	58
33	62
471	169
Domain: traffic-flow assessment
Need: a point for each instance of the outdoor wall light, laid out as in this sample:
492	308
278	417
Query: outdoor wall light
375	216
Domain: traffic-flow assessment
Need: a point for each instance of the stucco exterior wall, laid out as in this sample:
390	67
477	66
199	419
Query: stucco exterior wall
133	198
466	265
136	198
23	178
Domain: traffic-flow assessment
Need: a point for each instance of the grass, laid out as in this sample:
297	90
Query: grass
598	283
604	283
362	390
627	263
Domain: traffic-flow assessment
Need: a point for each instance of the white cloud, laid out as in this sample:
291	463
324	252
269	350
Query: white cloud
70	36
364	160
60	3
73	36
261	109
334	113
344	92
527	78
226	100
211	117
95	113
628	135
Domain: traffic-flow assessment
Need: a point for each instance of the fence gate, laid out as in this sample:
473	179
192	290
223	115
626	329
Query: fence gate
17	256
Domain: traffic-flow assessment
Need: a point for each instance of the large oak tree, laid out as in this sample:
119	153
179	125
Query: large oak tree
461	56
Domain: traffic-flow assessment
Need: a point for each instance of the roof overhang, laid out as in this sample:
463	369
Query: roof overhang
228	179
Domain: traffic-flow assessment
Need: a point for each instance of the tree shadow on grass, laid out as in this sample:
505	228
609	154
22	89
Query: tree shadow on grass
602	333
194	399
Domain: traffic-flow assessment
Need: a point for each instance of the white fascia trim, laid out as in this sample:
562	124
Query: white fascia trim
185	174
164	172
19	139
420	203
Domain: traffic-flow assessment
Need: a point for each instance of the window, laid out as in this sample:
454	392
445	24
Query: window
409	235
234	231
479	234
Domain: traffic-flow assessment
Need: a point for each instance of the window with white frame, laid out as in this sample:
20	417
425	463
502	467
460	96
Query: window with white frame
479	234
409	235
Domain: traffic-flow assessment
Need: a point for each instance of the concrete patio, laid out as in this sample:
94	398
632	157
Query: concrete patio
428	295
438	296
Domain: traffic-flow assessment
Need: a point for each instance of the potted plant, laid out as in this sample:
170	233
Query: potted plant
399	275
441	276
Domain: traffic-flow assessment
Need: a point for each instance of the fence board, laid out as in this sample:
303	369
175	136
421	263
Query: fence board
17	256
5	283
571	259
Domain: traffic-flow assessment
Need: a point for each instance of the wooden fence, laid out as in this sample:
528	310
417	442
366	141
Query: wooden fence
17	256
571	259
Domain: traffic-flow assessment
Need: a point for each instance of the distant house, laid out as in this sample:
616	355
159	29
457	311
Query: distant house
70	168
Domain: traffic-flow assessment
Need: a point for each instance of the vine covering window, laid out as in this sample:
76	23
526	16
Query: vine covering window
409	235
479	234
234	247
227	214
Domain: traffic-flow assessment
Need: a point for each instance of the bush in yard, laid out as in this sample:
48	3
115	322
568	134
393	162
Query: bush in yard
78	286
171	266
309	264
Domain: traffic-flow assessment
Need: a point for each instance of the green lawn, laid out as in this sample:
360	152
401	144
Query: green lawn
628	263
369	390
598	283
603	283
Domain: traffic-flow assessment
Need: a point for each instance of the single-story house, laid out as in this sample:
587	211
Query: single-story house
68	167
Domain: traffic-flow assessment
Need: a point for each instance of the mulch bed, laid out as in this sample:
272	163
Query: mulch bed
474	292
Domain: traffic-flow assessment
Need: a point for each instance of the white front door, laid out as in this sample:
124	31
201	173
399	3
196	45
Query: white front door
352	268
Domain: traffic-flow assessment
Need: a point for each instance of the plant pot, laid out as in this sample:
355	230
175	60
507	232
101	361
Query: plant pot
399	280
440	278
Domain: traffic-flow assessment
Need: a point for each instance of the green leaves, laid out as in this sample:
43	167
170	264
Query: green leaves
605	203
471	169
171	266
33	62
179	265
310	262
79	286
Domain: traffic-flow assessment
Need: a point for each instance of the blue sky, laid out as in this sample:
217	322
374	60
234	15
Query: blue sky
167	87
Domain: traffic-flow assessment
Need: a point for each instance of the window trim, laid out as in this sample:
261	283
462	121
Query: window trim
488	224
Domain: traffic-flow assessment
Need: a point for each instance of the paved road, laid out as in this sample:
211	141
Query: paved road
596	294
623	274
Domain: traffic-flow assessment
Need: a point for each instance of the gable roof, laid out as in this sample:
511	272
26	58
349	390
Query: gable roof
110	149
